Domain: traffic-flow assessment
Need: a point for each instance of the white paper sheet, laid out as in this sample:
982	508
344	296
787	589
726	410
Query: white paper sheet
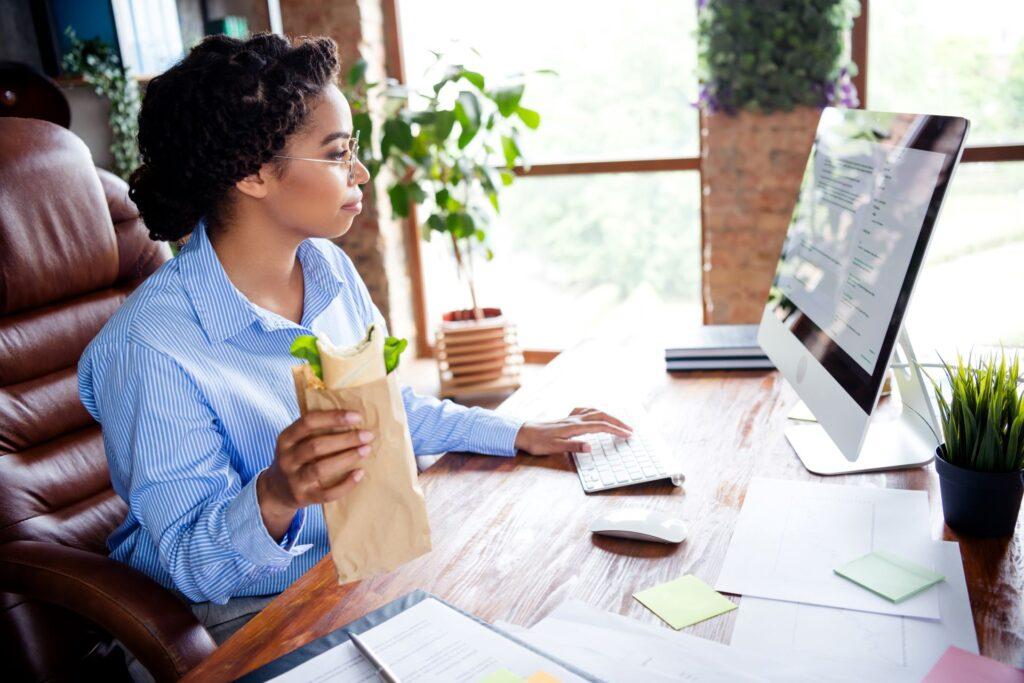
616	648
911	644
428	642
790	536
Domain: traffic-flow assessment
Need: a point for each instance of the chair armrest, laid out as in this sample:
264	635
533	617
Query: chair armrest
158	627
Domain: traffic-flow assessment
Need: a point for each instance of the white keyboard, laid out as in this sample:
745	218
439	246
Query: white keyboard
614	461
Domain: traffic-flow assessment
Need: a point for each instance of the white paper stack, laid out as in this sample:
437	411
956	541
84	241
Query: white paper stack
798	620
788	540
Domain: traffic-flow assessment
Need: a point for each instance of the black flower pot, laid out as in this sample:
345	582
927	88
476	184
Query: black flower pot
975	503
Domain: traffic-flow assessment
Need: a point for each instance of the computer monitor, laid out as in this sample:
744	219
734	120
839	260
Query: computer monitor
867	205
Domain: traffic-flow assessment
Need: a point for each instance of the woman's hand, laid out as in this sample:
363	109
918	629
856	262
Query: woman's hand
313	463
546	438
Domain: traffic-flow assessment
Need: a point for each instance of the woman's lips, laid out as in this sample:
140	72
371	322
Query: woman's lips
355	205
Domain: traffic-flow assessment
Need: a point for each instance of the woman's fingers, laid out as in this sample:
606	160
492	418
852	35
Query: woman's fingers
570	446
599	415
317	421
341	488
593	427
316	447
327	472
590	414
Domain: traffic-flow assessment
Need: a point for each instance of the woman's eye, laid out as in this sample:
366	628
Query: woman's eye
339	156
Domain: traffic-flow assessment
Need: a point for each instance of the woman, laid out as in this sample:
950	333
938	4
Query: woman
247	150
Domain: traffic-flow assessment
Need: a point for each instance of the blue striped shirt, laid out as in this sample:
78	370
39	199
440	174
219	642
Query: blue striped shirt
192	385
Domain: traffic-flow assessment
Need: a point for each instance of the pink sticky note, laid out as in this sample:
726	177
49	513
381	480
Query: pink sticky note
956	665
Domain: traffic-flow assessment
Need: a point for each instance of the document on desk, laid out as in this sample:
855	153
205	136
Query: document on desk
429	642
914	645
790	536
617	648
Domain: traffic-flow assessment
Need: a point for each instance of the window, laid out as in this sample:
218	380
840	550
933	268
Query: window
585	254
581	246
942	57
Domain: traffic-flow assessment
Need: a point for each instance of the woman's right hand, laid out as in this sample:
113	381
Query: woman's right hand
313	463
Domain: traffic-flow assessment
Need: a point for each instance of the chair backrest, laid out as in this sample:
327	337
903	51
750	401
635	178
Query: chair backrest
72	247
28	94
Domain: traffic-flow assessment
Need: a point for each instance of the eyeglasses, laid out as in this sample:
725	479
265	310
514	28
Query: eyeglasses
350	160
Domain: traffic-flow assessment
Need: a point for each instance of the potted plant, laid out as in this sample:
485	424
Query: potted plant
981	463
451	150
765	70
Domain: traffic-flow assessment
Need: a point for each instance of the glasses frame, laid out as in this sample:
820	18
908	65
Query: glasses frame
353	149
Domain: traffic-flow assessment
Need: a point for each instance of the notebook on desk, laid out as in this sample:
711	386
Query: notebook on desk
717	347
421	638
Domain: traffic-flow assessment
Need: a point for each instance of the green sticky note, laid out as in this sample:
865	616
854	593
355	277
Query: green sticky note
888	575
501	676
684	601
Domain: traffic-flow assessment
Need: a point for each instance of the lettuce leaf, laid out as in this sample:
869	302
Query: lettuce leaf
393	348
304	348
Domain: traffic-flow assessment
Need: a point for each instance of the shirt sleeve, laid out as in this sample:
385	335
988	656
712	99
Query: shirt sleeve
168	461
436	425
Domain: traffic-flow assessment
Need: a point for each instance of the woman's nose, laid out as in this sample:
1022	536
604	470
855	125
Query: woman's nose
360	174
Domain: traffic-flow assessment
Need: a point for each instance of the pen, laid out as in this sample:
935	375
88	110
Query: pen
383	671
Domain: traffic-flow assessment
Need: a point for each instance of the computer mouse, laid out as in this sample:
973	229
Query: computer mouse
640	524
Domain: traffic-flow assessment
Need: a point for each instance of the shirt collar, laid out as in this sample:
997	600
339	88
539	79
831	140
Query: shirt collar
224	311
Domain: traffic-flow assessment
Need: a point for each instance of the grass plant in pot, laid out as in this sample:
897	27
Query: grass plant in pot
981	463
451	150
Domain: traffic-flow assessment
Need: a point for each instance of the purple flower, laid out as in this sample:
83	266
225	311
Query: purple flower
842	92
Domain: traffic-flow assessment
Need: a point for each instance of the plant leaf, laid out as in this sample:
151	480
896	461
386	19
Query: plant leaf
507	98
358	72
528	117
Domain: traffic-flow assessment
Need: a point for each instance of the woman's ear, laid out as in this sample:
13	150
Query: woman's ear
254	185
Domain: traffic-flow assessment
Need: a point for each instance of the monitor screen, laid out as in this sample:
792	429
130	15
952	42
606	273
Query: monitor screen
867	204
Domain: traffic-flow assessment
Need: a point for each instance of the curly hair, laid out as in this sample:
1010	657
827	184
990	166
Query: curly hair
215	117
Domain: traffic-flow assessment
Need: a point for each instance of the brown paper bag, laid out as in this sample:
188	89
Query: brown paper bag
382	522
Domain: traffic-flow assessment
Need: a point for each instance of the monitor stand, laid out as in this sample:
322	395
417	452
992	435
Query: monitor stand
893	441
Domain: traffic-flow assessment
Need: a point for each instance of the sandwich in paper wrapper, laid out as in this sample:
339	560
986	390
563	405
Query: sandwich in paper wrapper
382	522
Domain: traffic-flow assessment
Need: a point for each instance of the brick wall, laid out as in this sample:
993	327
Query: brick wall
751	166
357	27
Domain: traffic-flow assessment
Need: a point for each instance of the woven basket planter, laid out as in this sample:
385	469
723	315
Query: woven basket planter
477	356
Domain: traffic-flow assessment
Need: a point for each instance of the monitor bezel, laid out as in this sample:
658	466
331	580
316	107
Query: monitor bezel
936	133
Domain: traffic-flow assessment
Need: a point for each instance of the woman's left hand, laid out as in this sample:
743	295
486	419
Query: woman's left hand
547	438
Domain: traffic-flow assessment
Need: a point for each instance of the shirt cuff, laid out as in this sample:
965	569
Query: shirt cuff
493	433
249	534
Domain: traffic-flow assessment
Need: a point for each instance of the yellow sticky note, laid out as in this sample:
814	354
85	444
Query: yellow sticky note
501	676
684	601
506	676
543	677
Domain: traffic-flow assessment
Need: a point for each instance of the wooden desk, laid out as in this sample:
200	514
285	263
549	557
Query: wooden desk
511	537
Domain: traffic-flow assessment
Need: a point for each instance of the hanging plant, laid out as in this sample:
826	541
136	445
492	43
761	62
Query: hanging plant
98	66
775	55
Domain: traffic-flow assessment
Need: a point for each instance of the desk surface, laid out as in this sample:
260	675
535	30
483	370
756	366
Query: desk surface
511	537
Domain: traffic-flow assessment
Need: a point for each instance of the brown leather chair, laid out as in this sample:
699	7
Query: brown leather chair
72	247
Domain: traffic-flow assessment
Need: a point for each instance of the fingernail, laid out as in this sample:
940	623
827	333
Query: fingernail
586	448
358	476
364	450
354	418
366	437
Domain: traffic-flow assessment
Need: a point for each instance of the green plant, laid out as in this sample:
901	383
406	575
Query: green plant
97	64
983	417
453	152
774	54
